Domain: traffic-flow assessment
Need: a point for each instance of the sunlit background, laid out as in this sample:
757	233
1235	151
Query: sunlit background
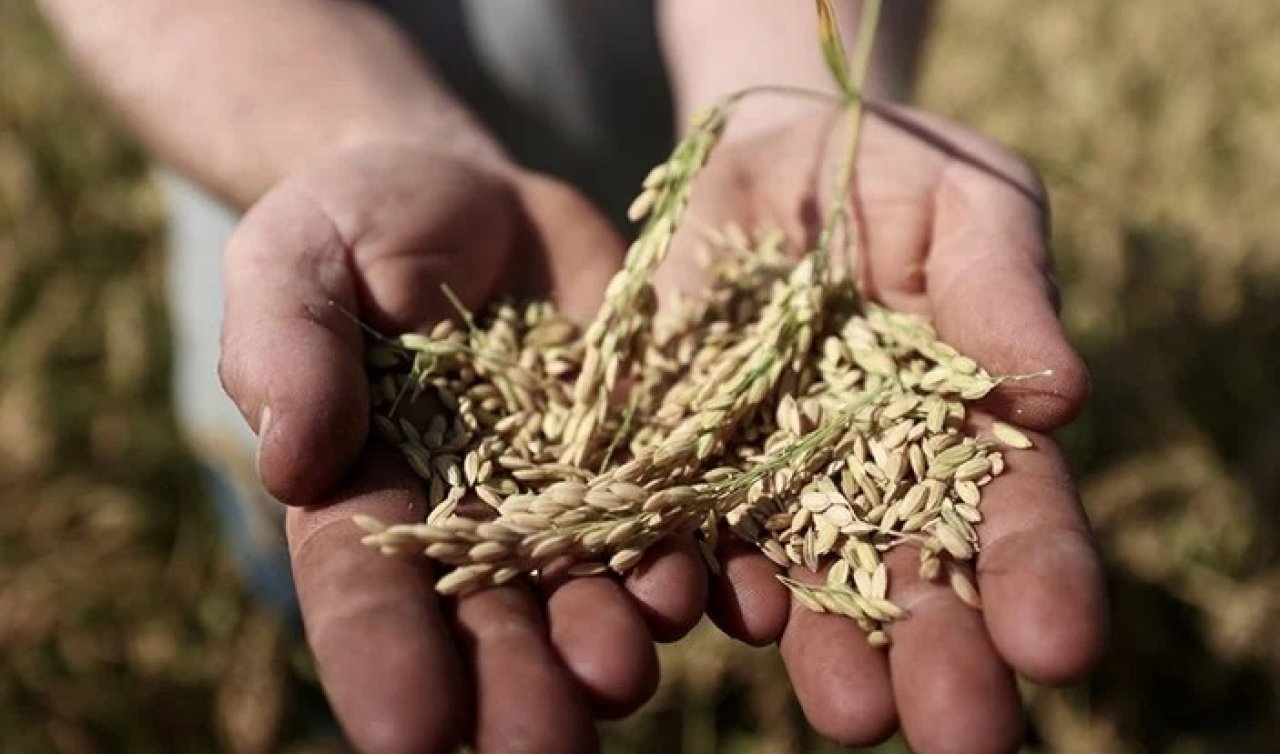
1156	124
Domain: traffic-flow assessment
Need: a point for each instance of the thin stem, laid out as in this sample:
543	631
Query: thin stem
820	436
785	90
372	333
840	215
625	429
456	303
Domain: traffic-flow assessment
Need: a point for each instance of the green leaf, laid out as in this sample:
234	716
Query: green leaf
833	47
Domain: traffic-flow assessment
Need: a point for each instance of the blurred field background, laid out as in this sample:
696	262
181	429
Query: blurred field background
1155	124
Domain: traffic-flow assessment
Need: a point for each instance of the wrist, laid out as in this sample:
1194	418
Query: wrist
712	53
455	135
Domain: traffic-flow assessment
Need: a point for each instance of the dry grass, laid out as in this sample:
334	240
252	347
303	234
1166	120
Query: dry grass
1152	121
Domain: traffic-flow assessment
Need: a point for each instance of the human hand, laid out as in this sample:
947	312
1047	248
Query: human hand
376	230
953	227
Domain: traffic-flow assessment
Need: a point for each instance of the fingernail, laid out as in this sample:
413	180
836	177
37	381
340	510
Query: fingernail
264	421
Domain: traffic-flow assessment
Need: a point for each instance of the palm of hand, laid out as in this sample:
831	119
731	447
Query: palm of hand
953	229
377	230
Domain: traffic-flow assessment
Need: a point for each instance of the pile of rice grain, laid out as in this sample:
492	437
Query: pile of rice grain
782	408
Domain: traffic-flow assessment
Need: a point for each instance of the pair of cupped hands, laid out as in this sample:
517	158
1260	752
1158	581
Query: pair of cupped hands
953	227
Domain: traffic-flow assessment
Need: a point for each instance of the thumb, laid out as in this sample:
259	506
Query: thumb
291	360
395	224
993	295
